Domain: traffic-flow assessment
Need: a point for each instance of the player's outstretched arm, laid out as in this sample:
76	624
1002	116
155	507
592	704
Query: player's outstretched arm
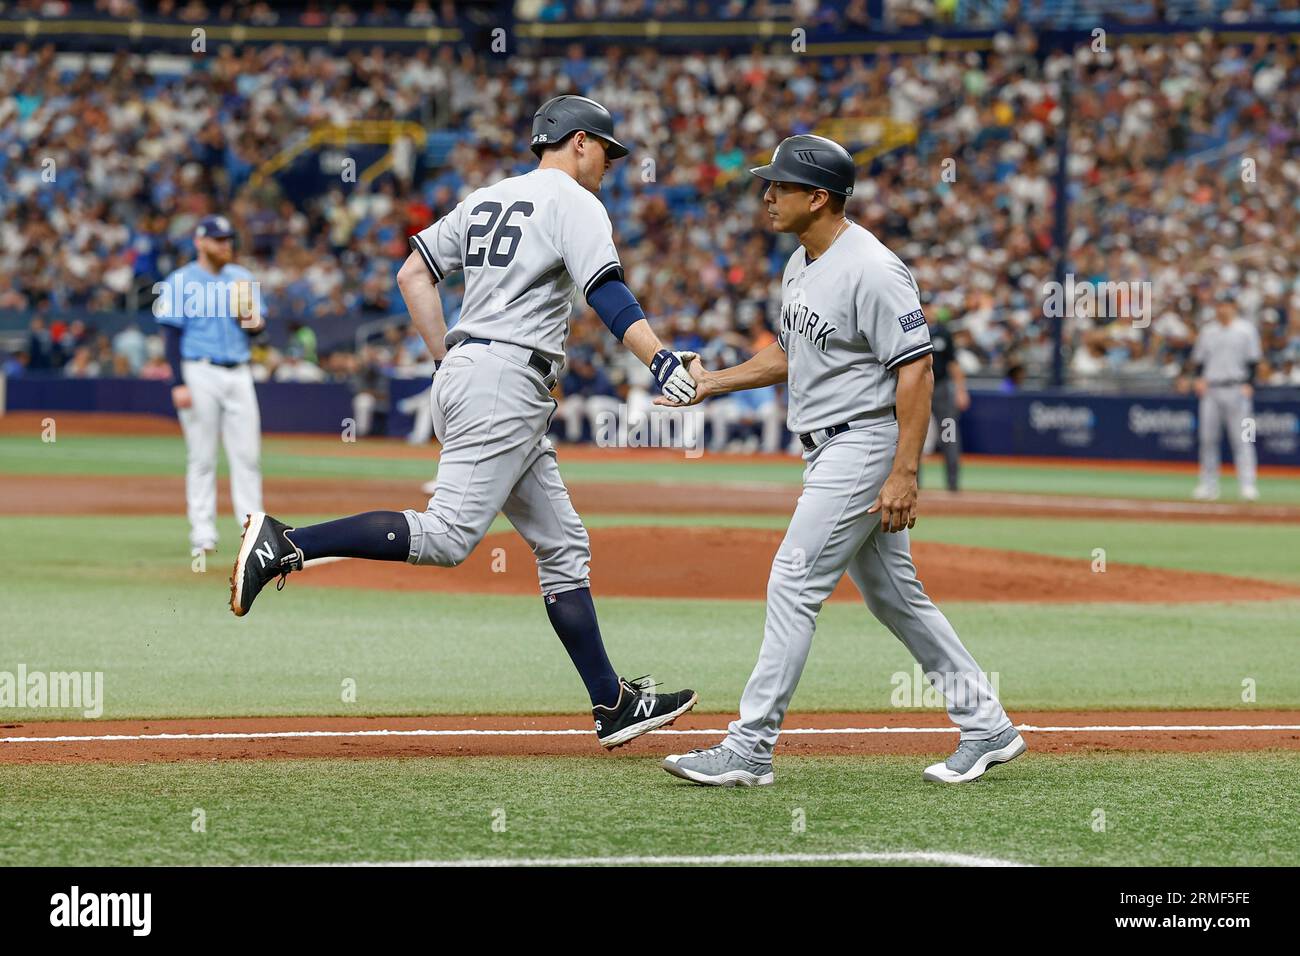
424	303
768	367
618	308
667	367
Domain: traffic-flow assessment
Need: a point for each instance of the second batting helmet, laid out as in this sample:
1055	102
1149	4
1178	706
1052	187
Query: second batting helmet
565	115
811	161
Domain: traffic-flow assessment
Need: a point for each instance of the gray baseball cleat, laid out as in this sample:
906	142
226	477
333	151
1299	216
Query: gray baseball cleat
719	767
973	757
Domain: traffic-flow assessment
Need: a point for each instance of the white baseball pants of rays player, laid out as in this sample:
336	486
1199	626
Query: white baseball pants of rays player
1225	406
223	406
491	410
830	533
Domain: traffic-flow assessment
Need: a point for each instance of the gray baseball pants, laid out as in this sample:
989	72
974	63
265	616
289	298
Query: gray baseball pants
1225	407
491	410
830	533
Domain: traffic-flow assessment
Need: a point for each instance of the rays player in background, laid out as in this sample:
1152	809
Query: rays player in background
1226	355
207	311
854	348
525	245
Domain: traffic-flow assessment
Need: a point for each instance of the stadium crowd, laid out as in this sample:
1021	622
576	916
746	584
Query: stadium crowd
1185	174
835	14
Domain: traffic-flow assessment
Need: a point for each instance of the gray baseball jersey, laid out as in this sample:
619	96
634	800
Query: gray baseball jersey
1227	350
848	320
525	243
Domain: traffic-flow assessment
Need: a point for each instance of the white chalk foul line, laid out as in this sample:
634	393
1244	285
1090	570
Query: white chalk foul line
712	732
741	859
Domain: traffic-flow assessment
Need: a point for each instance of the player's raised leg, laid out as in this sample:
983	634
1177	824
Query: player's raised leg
491	411
541	511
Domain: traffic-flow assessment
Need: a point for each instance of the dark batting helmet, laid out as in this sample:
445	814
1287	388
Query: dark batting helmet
565	115
811	161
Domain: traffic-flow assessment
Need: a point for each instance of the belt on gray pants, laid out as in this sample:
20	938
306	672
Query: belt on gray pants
820	436
208	361
536	359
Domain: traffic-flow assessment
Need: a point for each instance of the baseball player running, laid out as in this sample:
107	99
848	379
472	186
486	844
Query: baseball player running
1226	354
525	244
854	348
208	311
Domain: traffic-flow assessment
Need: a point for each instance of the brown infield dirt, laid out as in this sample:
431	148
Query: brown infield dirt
734	563
32	749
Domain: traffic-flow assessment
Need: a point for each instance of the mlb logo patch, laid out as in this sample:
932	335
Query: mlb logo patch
913	320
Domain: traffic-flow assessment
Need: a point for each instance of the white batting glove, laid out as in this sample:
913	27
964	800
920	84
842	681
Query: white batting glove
669	370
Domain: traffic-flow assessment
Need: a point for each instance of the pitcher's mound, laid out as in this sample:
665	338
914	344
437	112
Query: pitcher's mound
734	563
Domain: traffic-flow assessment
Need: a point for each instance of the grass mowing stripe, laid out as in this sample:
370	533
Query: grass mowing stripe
168	646
1213	809
412	653
296	457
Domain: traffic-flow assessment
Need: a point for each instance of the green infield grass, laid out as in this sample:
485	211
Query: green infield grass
117	595
289	457
1220	809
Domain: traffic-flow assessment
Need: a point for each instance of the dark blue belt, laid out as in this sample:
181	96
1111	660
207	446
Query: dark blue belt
208	361
537	360
807	437
809	441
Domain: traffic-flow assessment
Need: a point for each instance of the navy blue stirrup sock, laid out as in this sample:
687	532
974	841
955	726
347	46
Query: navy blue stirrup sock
378	535
574	618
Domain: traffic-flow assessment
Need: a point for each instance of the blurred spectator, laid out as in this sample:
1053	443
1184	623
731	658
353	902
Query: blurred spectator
303	340
589	397
131	345
370	393
82	364
295	368
1160	130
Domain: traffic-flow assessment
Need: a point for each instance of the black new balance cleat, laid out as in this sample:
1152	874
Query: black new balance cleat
638	711
265	553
